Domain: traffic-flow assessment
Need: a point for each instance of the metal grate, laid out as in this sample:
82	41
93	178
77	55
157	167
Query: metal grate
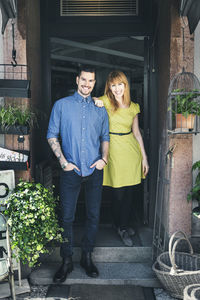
98	8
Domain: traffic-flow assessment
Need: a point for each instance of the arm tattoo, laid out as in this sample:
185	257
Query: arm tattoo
55	146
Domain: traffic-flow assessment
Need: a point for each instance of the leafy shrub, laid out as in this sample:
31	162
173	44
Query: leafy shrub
32	219
195	190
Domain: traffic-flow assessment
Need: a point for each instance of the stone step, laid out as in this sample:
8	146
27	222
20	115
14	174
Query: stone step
106	254
139	274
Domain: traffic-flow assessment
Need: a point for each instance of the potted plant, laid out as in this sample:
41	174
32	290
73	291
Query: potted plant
32	219
15	120
195	190
185	106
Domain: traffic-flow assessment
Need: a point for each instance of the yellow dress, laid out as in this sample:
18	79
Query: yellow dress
124	166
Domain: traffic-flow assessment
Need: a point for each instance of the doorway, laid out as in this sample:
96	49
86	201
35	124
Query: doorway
105	54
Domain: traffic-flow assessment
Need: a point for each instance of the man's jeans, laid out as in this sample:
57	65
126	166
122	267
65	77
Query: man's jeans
70	184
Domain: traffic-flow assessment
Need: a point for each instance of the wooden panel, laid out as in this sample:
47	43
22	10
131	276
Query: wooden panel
12	143
24	175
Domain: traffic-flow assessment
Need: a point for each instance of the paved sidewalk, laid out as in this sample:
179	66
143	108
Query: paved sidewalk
161	294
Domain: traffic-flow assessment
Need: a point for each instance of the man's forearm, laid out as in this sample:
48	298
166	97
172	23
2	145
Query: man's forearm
56	148
105	150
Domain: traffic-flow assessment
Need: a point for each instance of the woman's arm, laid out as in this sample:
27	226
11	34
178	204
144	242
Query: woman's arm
137	134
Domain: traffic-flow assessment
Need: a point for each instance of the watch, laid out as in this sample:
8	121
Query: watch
63	166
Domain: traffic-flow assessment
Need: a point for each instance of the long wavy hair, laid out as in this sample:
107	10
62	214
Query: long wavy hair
116	77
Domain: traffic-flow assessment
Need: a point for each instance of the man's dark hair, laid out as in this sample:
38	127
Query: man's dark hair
85	68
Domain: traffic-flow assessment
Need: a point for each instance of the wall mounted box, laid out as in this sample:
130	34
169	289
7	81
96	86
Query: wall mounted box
15	88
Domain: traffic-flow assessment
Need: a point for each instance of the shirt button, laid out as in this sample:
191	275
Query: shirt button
83	140
83	128
83	116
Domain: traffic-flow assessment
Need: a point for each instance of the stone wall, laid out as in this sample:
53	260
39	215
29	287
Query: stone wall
179	210
181	55
176	211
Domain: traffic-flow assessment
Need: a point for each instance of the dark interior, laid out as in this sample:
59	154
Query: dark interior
106	54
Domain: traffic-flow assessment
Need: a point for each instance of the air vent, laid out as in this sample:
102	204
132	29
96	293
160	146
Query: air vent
98	8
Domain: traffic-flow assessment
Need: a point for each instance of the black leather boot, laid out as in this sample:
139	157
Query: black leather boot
88	265
64	270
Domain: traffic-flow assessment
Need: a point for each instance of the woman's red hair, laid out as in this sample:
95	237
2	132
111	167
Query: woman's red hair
116	77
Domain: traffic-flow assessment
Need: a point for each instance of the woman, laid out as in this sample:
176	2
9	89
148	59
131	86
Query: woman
127	162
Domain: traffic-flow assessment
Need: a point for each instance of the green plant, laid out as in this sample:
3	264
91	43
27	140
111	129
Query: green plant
33	223
195	190
14	116
185	103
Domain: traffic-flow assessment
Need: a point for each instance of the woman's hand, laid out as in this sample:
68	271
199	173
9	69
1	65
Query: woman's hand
145	166
99	164
98	102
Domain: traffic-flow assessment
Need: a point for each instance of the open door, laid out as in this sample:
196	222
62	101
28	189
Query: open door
129	54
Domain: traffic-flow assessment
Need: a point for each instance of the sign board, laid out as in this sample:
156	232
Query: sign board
9	155
7	184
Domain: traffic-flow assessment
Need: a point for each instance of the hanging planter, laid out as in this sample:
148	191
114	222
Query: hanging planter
184	101
185	106
15	129
15	120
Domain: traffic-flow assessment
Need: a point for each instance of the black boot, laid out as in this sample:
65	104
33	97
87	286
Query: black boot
66	268
88	265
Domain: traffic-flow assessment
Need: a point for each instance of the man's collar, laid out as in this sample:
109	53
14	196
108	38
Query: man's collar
81	98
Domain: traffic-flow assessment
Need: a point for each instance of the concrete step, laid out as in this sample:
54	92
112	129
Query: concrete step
105	254
139	274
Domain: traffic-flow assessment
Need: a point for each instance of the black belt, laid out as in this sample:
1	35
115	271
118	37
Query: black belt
120	133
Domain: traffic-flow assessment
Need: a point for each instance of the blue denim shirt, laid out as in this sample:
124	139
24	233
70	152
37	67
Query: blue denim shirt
82	127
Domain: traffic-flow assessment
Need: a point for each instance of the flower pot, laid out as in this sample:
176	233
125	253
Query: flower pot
185	122
17	129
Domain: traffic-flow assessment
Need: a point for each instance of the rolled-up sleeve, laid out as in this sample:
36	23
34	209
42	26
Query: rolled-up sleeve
105	126
54	122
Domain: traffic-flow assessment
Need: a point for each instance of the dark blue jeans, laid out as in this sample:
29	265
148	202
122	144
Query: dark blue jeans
70	184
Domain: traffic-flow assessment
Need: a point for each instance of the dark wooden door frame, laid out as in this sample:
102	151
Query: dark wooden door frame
150	101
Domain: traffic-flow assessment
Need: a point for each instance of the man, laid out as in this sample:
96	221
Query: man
83	153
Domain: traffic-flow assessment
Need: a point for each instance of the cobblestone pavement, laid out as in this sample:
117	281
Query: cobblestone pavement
37	292
161	294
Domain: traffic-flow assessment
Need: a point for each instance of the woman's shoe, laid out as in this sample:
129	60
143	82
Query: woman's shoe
125	237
